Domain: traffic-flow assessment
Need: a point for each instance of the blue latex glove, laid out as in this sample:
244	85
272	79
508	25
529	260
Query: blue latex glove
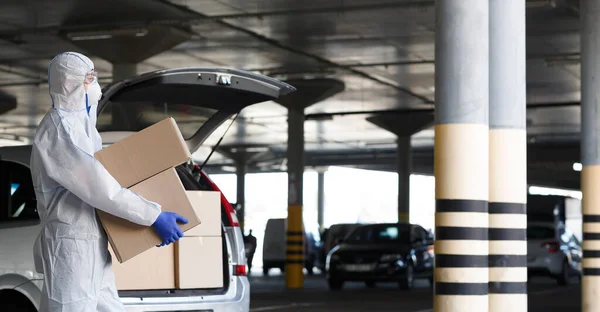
167	228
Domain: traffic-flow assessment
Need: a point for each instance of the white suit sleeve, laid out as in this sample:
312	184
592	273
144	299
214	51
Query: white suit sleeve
69	161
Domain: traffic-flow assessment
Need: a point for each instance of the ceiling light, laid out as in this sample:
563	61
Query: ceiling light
80	37
577	166
549	191
228	168
106	34
257	149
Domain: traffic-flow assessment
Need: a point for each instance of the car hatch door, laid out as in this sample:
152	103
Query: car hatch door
200	99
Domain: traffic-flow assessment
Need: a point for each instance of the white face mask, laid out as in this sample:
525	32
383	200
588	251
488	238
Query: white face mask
94	94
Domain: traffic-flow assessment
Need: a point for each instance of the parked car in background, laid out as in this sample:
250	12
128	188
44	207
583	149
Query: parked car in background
331	237
393	252
553	251
275	249
200	100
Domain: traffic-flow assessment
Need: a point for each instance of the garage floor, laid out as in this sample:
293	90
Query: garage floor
267	295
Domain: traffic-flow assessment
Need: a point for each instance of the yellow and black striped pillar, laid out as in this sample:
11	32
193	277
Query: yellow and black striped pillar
508	158
294	276
590	152
508	220
295	248
590	282
461	156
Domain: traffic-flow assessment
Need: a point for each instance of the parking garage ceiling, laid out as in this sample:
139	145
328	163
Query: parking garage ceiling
381	50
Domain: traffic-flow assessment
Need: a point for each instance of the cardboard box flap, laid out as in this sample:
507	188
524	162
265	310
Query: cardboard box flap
114	226
145	153
167	190
128	239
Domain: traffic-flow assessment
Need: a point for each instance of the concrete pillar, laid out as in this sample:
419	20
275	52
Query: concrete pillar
404	168
508	158
294	276
461	156
321	199
241	170
590	145
123	70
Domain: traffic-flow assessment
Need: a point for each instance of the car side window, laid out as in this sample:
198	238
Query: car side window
17	196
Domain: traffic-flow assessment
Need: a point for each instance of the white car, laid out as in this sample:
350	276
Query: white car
553	250
274	247
200	100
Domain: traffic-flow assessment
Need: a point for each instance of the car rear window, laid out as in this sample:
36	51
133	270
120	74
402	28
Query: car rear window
138	115
540	232
380	234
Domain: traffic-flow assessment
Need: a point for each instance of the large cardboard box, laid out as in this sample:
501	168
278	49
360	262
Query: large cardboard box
207	205
153	269
145	153
156	267
199	262
128	239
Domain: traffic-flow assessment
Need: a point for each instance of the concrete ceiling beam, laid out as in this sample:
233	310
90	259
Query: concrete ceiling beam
403	125
310	91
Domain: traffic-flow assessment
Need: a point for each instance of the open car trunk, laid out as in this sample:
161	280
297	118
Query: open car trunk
200	100
191	184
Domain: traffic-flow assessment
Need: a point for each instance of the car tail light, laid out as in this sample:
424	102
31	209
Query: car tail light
552	246
228	208
240	270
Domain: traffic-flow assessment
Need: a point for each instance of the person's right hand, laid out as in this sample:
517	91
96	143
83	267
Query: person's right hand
167	228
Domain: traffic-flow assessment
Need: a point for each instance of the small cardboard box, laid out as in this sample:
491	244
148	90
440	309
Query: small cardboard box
128	239
207	205
145	153
199	262
153	269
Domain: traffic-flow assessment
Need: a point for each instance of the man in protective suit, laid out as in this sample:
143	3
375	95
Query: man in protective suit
72	248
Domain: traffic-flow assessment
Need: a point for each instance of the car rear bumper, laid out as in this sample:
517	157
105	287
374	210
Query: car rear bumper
235	300
552	264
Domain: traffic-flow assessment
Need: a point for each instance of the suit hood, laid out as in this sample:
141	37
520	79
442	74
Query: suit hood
66	76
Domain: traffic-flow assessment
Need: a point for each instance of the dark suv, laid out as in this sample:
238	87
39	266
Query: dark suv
393	252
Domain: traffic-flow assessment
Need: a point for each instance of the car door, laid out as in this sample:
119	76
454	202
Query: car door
200	99
19	225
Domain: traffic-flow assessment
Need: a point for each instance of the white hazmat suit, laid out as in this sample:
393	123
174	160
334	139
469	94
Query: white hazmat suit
72	247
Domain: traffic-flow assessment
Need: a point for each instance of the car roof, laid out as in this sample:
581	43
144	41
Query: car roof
405	224
19	153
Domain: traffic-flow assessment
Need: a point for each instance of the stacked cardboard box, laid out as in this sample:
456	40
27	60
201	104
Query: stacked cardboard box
144	162
153	269
199	254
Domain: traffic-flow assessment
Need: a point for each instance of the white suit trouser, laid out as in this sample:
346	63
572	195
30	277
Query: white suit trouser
76	286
